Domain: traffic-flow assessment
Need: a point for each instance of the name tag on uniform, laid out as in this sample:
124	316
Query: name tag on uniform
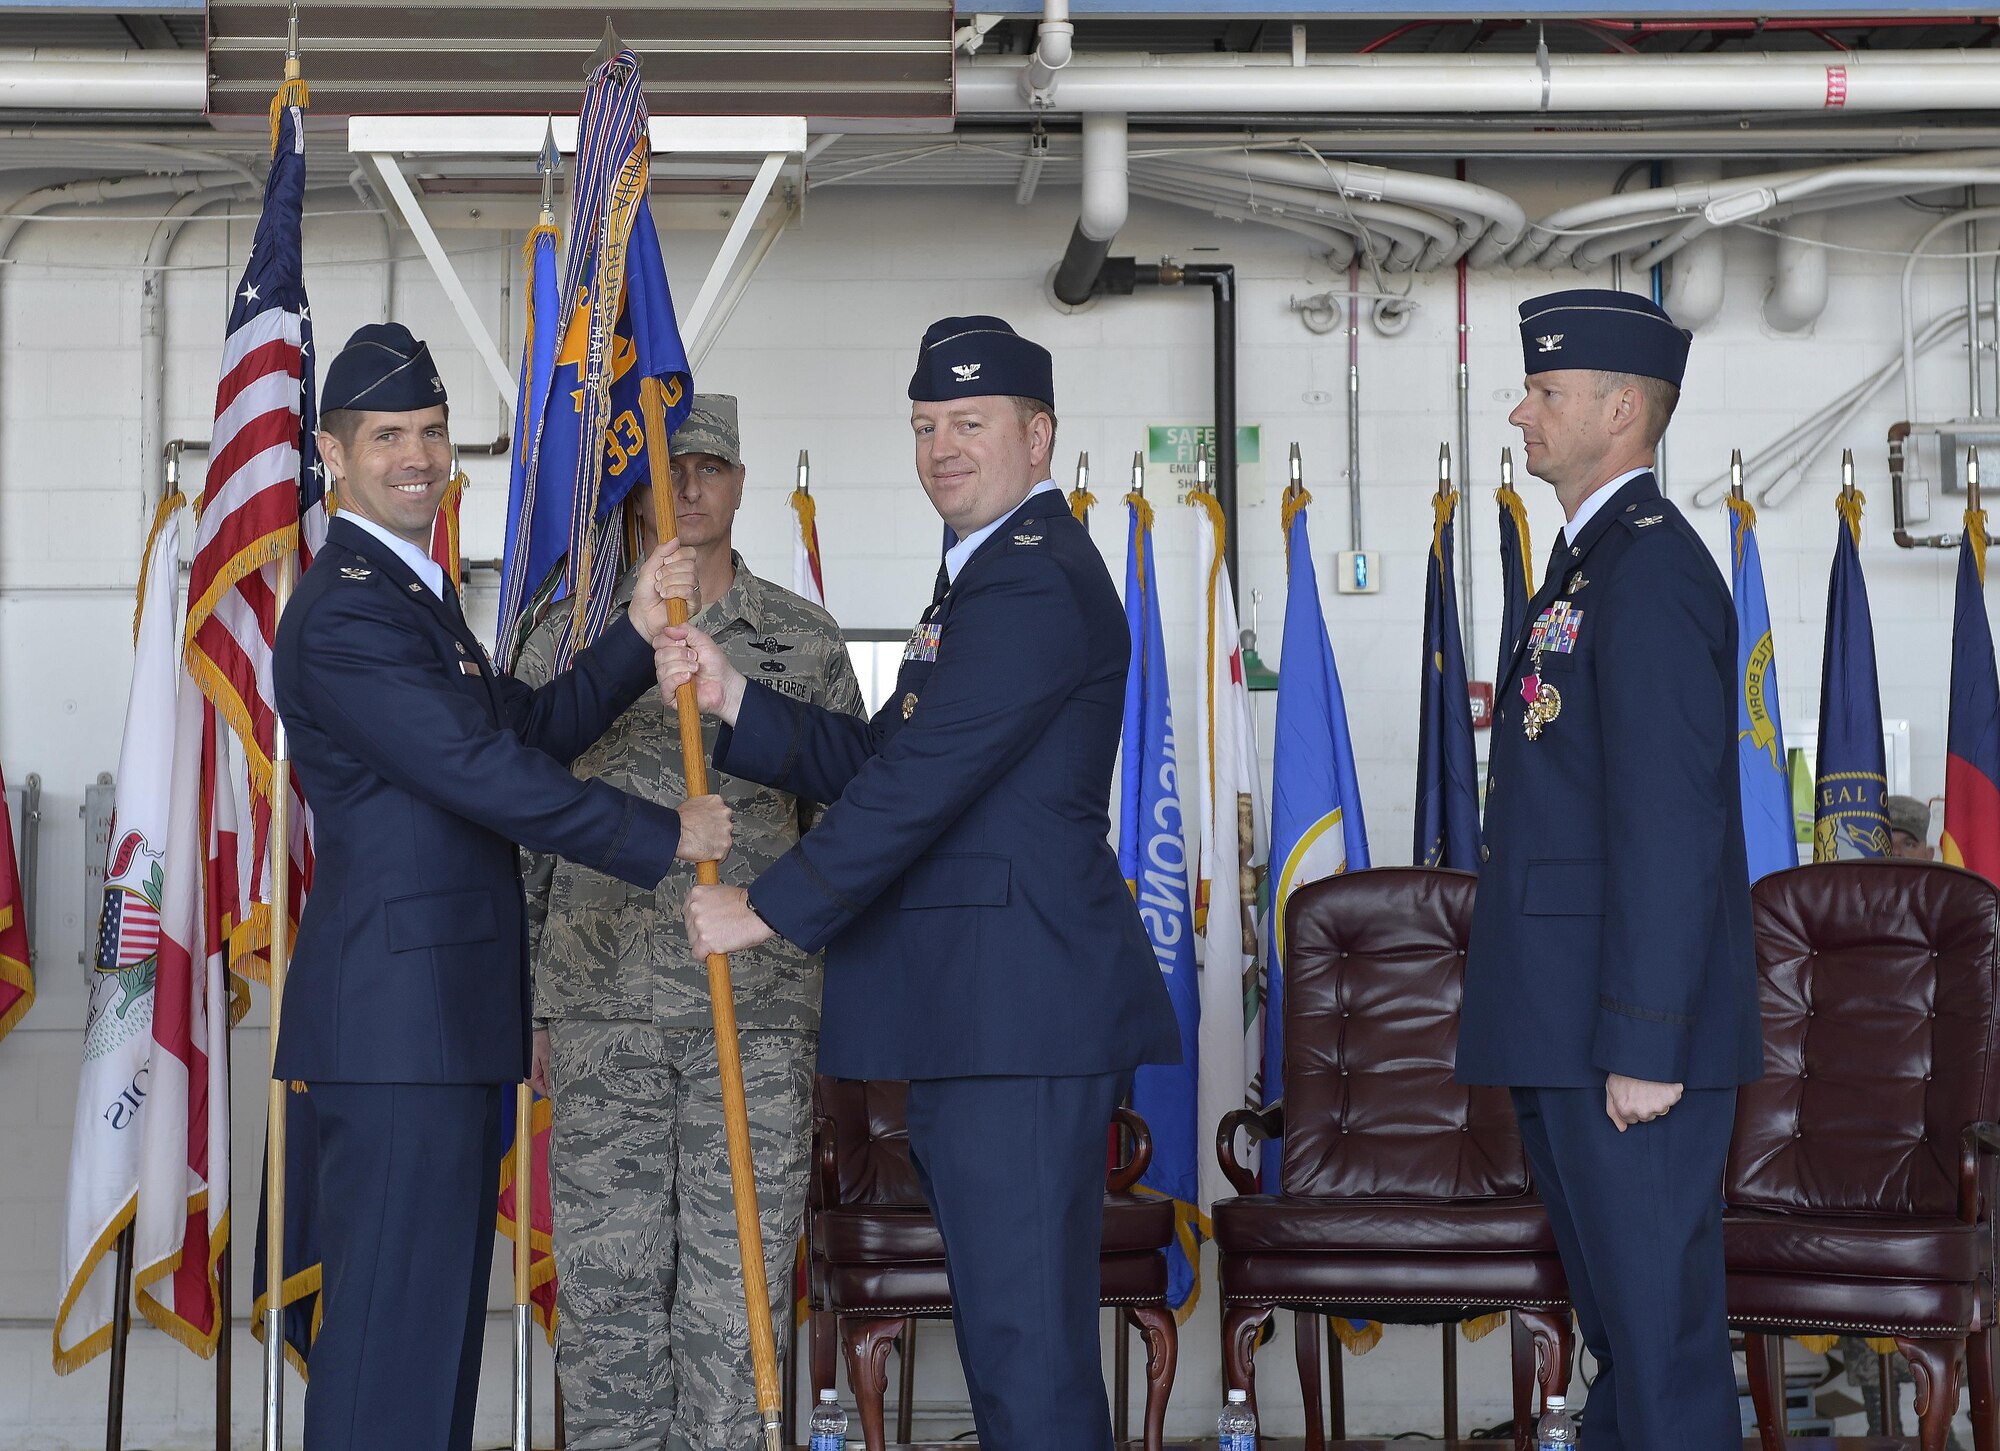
468	667
1555	631
923	643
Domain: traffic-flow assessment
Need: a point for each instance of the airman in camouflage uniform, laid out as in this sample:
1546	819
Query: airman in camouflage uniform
654	1344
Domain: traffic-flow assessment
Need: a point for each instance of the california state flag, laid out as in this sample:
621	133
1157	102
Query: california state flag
115	1092
182	1225
1235	845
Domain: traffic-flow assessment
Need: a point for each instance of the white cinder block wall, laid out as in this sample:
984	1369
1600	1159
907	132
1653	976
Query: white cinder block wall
819	353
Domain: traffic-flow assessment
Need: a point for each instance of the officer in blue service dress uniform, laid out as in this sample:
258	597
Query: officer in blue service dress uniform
406	1006
979	938
1610	980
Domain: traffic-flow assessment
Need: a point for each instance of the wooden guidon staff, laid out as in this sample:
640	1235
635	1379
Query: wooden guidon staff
721	994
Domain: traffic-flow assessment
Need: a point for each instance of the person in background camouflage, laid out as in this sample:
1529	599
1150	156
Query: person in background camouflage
654	1346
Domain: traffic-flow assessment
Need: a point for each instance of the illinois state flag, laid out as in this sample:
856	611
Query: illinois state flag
1972	760
112	1101
1152	854
1763	773
1235	844
1850	812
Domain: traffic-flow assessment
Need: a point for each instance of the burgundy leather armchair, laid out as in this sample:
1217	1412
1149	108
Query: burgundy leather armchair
1403	1196
874	1257
1859	1194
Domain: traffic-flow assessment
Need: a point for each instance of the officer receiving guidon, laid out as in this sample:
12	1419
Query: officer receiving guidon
1610	981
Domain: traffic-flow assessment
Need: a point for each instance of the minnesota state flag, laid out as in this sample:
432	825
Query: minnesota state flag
1850	813
1972	745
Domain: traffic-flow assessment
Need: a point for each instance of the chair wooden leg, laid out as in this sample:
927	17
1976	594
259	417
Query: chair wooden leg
825	1337
1523	1367
1336	1381
1765	1355
866	1343
906	1381
1550	1336
1979	1380
1935	1366
1305	1348
1240	1324
1163	1340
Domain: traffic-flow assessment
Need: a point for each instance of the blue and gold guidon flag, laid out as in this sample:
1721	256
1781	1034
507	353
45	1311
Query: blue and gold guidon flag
1517	577
617	329
1850	809
1770	838
1152	853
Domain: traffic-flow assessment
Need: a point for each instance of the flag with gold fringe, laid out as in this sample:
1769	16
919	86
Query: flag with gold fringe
541	1213
808	580
617	329
1850	809
17	979
1153	856
1972	742
264	497
1517	577
111	1101
1447	814
1770	837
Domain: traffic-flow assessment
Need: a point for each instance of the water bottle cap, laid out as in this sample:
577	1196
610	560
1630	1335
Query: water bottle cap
1237	1398
1556	1403
828	1397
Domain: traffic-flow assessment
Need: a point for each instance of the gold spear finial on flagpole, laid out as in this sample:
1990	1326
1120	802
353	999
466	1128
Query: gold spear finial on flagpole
549	165
1201	467
1083	470
1847	473
1736	474
1444	469
805	473
1506	468
1295	467
1139	472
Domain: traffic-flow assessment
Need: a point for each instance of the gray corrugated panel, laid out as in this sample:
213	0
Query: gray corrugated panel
846	58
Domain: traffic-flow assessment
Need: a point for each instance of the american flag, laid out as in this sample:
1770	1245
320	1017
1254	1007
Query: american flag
129	931
265	494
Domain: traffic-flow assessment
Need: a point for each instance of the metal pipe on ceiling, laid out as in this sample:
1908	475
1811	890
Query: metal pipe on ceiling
45	78
1246	84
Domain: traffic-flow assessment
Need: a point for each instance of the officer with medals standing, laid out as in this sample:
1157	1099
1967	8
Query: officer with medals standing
406	1007
980	941
1611	980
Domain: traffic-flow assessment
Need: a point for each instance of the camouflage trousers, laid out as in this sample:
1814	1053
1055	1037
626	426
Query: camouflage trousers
653	1349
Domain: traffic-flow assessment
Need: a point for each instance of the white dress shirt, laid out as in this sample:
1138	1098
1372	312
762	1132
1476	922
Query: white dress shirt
955	557
421	564
1597	499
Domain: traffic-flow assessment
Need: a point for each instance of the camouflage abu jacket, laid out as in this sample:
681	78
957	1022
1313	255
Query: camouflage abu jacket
601	949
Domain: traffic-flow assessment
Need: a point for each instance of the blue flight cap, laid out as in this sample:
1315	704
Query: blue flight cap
382	370
1603	331
977	357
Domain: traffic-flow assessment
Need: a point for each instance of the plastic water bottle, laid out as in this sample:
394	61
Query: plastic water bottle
829	1424
1237	1429
1557	1428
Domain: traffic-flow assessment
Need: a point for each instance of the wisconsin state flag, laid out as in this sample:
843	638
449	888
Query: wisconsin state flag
1972	759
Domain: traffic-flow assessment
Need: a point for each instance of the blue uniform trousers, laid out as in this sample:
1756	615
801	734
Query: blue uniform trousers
1638	1220
1013	1169
396	1364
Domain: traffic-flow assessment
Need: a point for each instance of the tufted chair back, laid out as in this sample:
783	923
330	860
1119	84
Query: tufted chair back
871	1140
1374	967
1879	981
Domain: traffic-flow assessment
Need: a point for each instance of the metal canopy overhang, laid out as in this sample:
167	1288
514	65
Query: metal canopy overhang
764	147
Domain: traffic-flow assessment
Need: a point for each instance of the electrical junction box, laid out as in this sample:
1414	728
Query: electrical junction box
1357	572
